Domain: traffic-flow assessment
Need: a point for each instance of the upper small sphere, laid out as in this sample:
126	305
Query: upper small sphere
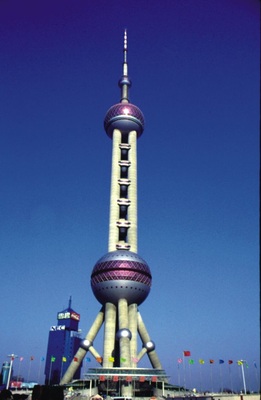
121	274
124	116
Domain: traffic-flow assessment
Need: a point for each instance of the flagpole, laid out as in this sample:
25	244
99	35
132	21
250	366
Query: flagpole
230	375
39	371
243	374
179	378
61	374
19	369
221	377
256	374
200	374
50	371
184	371
29	370
211	376
190	374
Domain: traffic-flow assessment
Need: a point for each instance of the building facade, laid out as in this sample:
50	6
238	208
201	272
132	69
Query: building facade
64	340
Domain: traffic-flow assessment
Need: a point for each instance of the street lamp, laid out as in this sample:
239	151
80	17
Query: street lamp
12	357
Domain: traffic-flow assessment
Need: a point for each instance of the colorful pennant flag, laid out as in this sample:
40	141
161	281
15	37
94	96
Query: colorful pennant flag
99	359
135	359
191	361
31	358
230	361
123	359
179	360
75	359
186	353
255	364
211	361
111	359
201	361
53	359
21	358
239	362
64	359
42	358
88	359
221	361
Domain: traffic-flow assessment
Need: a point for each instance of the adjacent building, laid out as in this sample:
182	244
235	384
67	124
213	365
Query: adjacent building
64	340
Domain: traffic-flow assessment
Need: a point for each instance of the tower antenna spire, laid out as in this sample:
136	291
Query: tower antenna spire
124	82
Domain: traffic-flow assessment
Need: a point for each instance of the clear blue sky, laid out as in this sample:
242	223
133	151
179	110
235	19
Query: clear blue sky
195	72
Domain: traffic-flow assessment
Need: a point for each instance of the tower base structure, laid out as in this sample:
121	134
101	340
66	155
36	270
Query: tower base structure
119	372
127	382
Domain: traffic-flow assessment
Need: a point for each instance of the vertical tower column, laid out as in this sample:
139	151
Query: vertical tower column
109	335
115	175
132	211
124	341
133	324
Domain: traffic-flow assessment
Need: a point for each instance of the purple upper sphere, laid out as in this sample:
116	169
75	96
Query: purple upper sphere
121	274
124	116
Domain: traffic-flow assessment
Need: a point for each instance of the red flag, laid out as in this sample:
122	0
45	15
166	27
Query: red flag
186	353
230	361
75	359
211	361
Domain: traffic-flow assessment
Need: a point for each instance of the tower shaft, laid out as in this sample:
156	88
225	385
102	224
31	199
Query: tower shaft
123	199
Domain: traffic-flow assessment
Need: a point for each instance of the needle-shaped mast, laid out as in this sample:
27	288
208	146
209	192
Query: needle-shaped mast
124	82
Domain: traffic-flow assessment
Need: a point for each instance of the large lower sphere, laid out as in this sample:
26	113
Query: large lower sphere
121	274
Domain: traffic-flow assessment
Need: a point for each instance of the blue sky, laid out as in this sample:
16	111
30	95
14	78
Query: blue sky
194	66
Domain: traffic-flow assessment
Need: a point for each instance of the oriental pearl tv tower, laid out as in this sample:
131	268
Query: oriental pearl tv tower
121	279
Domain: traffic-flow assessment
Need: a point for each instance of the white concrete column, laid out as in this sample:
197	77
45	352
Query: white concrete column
115	190
68	376
109	334
132	192
133	326
124	341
